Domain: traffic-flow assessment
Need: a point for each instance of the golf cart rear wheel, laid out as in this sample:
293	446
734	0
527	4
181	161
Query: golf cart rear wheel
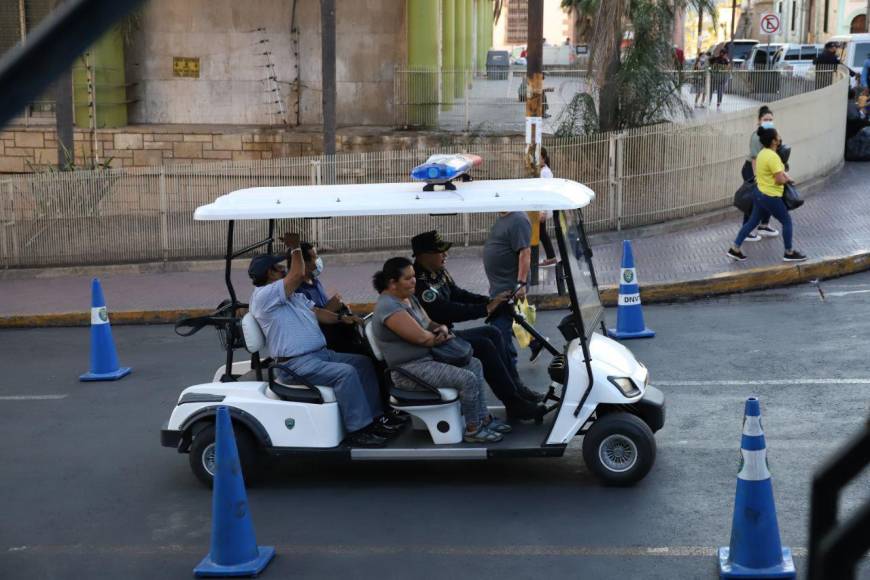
202	454
619	449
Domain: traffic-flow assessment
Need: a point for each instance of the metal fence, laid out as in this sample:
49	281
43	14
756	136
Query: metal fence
641	176
495	102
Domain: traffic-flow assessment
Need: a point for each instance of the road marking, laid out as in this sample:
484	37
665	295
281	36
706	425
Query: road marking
392	550
837	294
32	397
758	383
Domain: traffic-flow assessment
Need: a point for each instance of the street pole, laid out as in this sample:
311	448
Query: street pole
327	23
733	17
534	112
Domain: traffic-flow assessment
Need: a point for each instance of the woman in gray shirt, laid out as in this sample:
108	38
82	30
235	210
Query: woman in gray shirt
405	335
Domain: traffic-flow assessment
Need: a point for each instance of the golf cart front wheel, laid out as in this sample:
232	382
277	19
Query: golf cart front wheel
619	449
202	455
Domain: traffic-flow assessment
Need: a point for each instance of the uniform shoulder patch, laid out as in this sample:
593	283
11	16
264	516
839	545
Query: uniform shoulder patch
429	295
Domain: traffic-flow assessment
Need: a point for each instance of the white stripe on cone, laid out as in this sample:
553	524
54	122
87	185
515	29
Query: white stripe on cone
752	426
754	466
99	315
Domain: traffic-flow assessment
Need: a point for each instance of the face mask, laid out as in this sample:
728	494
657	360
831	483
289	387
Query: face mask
767	125
318	267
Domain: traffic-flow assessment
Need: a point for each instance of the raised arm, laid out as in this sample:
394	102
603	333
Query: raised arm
295	264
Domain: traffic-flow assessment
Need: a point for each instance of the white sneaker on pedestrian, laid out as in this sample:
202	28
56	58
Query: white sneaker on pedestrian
752	237
766	231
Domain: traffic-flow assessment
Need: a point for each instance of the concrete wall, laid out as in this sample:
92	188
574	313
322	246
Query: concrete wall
232	89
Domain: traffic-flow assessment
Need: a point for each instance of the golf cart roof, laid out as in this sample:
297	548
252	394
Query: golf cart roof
318	201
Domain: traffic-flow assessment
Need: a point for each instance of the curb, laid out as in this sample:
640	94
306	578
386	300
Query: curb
726	283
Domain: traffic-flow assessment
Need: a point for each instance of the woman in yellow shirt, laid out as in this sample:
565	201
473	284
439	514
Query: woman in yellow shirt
770	178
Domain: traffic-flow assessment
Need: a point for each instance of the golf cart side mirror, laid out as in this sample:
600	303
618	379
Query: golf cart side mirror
569	328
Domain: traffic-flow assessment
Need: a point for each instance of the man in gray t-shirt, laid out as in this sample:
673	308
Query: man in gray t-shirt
507	258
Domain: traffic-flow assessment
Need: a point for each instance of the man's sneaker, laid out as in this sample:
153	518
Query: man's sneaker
752	237
529	395
536	348
736	254
794	256
548	263
767	231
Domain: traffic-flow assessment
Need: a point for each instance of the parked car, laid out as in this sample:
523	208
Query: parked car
853	50
762	56
739	50
790	57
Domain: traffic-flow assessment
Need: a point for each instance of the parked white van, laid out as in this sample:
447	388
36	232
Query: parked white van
789	57
853	50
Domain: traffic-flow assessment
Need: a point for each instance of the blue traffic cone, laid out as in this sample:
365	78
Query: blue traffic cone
755	550
234	549
104	359
629	312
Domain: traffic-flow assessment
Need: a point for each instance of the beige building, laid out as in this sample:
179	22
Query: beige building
512	26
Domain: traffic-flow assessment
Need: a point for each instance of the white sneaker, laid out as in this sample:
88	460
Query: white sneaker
767	231
752	237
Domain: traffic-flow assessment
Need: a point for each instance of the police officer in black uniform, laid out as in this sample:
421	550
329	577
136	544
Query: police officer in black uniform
826	63
447	303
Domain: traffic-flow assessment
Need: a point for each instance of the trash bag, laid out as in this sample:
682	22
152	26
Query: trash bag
858	147
743	196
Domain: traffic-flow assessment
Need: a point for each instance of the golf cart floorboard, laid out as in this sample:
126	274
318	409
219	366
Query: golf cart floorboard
525	440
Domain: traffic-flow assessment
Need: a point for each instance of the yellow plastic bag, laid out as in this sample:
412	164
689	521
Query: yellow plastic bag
529	312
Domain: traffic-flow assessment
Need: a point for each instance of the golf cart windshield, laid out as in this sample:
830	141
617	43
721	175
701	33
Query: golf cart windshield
577	262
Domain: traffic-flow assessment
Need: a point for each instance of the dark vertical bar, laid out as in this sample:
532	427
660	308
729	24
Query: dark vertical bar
733	16
271	235
63	111
535	102
327	23
228	269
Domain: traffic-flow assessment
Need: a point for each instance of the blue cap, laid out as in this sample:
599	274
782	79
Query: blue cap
260	265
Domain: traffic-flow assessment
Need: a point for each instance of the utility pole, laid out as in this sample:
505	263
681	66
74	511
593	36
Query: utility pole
327	24
733	17
534	112
63	115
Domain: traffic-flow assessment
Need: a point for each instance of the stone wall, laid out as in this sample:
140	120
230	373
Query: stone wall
28	149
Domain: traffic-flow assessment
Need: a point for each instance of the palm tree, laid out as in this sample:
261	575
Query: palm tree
635	84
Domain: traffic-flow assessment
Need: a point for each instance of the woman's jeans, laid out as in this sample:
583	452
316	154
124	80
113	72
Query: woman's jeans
774	206
748	175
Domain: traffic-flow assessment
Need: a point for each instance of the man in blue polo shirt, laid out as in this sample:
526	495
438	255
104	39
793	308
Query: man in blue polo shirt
293	337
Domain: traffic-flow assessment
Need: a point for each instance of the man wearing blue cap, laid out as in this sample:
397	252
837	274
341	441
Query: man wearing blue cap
293	336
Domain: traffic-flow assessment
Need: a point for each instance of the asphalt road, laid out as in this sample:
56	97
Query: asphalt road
87	491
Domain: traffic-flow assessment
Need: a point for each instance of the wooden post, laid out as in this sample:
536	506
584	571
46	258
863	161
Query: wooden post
534	114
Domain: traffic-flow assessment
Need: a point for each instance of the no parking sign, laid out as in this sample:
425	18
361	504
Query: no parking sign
770	23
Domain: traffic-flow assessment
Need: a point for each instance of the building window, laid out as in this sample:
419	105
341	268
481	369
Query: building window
859	24
793	13
517	21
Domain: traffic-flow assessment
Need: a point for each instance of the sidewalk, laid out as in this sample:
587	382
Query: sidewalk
832	228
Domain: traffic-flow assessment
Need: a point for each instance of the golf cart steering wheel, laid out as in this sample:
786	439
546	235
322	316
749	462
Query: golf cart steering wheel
509	302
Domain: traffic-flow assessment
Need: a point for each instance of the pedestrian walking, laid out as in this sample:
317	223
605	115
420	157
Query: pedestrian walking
765	119
543	235
721	67
771	178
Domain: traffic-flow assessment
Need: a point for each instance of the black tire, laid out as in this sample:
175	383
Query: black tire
619	449
250	454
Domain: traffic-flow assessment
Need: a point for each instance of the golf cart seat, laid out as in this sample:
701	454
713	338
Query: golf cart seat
434	409
301	392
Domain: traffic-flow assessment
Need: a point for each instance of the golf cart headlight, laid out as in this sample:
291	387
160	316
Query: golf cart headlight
626	385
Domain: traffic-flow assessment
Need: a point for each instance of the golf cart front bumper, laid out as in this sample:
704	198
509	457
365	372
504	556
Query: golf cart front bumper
651	408
170	437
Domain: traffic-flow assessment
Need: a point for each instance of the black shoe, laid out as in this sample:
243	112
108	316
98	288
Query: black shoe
529	395
365	438
381	429
536	348
736	254
395	417
793	256
524	411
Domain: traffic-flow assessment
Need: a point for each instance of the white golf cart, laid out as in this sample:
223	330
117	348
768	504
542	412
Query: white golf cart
597	388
